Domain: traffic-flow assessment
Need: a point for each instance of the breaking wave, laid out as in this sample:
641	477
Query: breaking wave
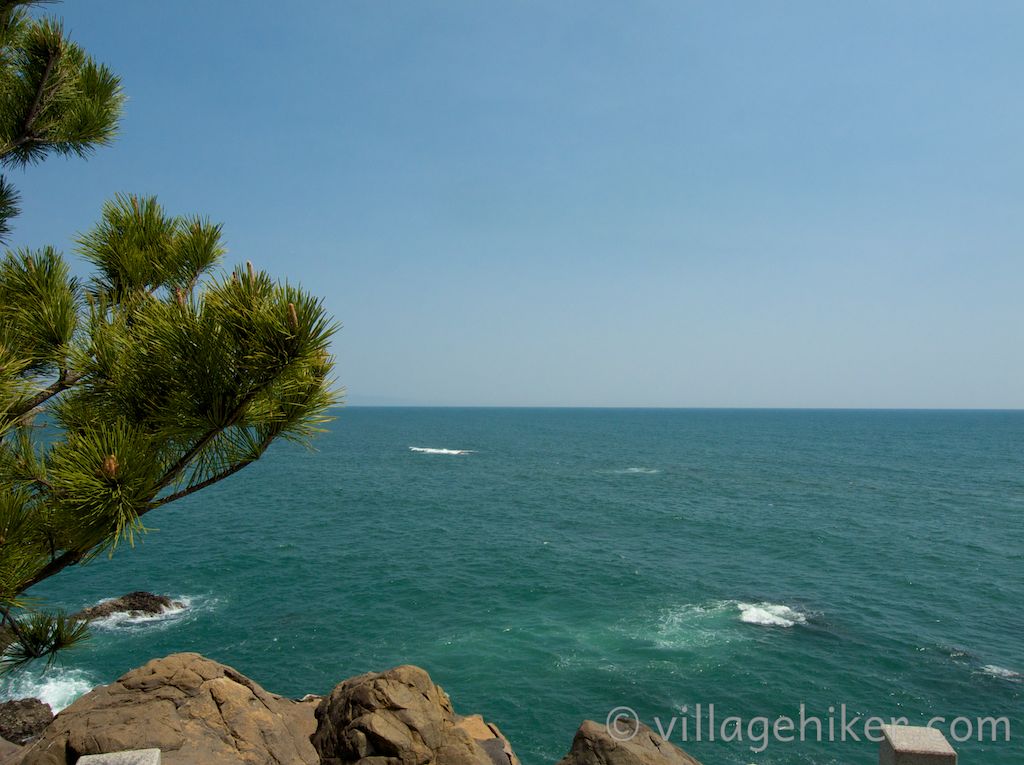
691	626
770	615
58	687
429	450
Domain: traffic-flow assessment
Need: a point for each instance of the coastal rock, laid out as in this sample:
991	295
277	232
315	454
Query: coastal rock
594	745
400	717
23	720
191	708
10	754
134	604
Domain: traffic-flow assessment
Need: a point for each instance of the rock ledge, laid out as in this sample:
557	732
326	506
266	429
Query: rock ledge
191	708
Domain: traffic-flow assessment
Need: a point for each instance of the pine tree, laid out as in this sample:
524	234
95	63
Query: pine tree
155	378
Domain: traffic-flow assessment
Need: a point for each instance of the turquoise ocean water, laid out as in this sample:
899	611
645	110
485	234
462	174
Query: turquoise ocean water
579	560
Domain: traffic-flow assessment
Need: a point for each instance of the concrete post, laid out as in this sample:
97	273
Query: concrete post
910	745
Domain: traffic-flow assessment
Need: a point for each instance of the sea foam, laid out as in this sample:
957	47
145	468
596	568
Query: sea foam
692	626
58	687
429	450
770	615
714	622
1002	672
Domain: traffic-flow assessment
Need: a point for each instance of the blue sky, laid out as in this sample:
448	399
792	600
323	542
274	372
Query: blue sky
810	204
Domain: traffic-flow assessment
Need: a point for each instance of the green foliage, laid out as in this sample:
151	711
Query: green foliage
160	376
138	249
55	98
41	279
156	377
42	636
8	207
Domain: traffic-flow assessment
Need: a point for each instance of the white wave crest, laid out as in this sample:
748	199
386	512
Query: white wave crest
1002	672
429	450
123	619
690	626
57	687
770	615
637	471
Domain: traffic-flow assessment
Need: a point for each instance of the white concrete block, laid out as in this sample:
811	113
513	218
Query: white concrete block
911	745
131	757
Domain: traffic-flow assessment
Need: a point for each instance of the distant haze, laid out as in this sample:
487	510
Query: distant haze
595	204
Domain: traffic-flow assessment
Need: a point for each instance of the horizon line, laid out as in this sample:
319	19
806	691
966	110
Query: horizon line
688	408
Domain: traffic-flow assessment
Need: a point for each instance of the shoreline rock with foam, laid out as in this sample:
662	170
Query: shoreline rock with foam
134	604
191	708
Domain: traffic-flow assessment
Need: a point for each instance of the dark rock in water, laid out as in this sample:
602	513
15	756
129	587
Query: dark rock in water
194	710
633	744
401	717
23	720
134	603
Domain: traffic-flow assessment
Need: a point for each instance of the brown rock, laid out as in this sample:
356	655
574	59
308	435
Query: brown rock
194	710
401	717
594	745
10	754
134	603
23	720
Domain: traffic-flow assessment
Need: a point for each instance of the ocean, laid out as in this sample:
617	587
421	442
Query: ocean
548	566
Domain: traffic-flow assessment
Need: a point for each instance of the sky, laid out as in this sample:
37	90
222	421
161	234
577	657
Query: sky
692	204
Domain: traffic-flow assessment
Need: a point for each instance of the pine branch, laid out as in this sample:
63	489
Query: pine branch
178	467
37	102
35	110
10	621
72	557
55	566
226	473
66	380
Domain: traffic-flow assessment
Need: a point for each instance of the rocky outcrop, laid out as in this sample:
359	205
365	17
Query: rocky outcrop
634	744
134	604
191	708
23	720
401	717
199	711
10	754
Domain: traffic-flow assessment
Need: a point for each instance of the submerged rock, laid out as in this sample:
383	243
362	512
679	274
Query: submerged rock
23	720
594	745
134	604
400	717
191	708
